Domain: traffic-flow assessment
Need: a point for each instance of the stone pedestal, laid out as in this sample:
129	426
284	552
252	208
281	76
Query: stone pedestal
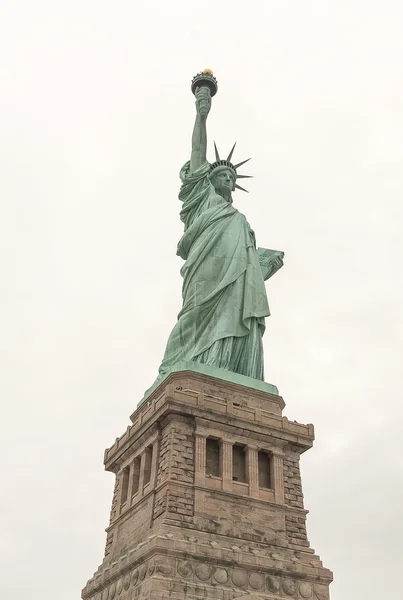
208	500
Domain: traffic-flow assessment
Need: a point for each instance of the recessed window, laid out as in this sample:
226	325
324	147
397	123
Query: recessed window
212	457
148	458
125	484
264	460
238	463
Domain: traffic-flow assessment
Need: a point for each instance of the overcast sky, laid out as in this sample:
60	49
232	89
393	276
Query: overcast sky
96	116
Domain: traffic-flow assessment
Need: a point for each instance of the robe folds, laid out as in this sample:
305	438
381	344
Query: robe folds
222	319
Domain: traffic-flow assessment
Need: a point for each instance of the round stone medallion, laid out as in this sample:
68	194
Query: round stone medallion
119	587
143	572
135	576
239	577
221	575
203	572
164	567
305	589
273	584
256	581
185	569
289	587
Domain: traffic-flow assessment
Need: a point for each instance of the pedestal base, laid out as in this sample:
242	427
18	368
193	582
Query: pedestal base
208	499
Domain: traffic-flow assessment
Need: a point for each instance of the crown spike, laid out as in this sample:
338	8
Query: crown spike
241	163
231	153
241	188
217	156
244	176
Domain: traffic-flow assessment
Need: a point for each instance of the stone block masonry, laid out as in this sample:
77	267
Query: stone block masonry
176	467
292	481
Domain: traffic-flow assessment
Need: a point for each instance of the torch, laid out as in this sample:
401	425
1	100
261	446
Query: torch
205	79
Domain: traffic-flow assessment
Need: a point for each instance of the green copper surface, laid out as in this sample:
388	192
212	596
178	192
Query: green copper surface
222	319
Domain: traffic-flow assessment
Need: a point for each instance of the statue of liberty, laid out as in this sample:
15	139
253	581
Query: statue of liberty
222	319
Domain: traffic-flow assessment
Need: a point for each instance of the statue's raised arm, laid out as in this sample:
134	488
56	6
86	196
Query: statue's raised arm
204	87
199	137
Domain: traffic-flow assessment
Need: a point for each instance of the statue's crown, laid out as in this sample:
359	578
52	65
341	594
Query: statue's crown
227	164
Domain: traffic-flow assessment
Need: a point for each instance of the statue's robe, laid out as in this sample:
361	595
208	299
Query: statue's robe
224	298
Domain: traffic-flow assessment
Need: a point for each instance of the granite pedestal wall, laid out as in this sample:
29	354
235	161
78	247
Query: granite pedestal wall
208	499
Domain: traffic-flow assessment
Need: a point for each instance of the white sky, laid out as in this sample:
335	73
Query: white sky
95	118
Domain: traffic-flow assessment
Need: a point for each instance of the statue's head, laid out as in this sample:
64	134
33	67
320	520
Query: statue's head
223	180
223	175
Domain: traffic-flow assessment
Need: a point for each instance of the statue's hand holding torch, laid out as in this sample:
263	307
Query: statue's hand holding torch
203	101
204	86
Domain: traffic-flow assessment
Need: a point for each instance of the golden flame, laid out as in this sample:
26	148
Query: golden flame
207	72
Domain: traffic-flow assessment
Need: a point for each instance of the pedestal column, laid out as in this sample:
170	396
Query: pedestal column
141	480
200	462
253	470
226	464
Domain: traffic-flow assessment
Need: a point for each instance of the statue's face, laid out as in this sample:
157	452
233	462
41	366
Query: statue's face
223	182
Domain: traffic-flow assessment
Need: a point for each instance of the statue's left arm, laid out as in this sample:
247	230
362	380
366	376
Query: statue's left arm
270	261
